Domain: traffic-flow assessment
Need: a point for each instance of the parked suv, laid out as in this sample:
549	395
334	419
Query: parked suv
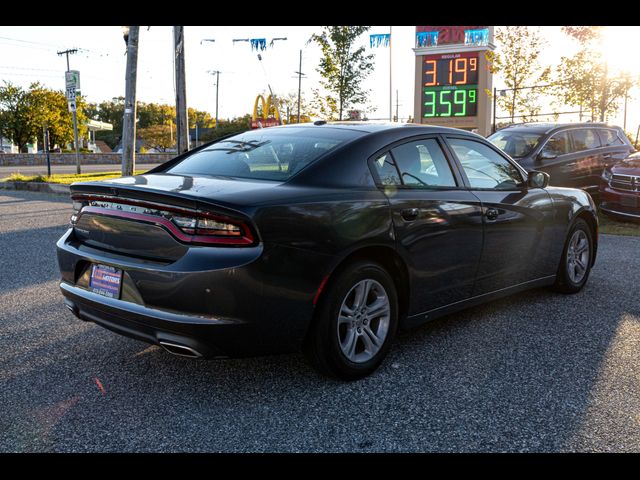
573	154
620	189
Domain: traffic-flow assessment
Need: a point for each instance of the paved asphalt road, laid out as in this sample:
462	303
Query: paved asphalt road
42	170
535	372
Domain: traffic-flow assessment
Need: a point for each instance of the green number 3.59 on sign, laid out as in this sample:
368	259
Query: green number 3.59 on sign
444	102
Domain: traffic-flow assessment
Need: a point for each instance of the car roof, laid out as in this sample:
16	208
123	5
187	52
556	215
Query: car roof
374	127
540	127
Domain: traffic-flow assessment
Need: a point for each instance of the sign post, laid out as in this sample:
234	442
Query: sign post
72	80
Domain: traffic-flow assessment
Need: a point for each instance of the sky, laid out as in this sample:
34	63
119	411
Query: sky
28	54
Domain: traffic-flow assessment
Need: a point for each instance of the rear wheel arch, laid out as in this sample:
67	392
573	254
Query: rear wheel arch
389	259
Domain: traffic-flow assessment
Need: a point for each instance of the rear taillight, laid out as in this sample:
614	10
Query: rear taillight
189	226
77	206
207	226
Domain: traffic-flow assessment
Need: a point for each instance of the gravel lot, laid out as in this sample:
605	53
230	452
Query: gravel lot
535	372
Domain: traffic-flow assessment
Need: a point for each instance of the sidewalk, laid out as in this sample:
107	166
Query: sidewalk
42	170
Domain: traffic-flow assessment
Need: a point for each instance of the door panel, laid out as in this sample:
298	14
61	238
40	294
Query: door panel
515	218
516	238
441	245
437	223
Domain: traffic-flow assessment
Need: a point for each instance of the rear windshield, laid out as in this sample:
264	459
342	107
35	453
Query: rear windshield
516	143
264	154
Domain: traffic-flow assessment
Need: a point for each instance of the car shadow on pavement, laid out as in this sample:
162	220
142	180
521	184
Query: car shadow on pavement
514	375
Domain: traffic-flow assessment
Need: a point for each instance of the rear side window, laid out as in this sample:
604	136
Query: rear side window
386	170
558	145
264	154
423	164
610	137
585	139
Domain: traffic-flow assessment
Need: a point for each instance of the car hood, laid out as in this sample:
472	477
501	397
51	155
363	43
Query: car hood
630	166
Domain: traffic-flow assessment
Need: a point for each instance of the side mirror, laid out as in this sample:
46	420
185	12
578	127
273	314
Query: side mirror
546	155
538	179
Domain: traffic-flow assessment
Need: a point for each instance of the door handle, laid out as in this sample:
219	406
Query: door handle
410	214
607	157
491	214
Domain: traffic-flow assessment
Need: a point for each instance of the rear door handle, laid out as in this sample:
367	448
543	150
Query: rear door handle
491	214
410	214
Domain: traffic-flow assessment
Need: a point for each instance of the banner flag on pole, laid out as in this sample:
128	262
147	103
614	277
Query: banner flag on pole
379	39
426	39
258	44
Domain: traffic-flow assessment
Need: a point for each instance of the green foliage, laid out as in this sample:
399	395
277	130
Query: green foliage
584	79
157	136
24	114
517	58
148	115
343	68
228	127
289	102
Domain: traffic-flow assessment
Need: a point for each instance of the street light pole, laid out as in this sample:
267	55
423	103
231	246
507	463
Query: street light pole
217	74
299	86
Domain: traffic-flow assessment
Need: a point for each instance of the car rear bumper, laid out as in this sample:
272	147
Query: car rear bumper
205	337
216	302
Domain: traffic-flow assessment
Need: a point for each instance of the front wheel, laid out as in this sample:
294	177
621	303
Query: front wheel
355	322
575	264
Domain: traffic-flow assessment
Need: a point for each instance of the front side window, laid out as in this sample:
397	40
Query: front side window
263	154
557	145
585	139
422	164
484	167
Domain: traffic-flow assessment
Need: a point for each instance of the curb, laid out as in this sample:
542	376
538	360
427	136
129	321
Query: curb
54	188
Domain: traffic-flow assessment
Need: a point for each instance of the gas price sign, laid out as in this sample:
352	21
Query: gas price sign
450	85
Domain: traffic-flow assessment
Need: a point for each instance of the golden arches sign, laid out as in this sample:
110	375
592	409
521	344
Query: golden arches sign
264	120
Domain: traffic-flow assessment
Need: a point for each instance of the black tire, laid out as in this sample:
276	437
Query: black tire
564	283
322	344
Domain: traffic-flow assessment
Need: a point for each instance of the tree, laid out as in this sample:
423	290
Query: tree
227	127
50	110
517	59
289	104
15	115
157	136
343	68
584	78
24	114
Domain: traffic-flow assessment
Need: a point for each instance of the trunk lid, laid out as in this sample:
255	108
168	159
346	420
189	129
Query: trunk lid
138	216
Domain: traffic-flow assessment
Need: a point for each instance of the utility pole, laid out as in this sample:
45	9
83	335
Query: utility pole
299	72
397	105
603	95
129	123
217	74
182	119
73	112
390	77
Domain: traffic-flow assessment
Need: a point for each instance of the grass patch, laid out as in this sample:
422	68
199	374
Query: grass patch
65	179
618	227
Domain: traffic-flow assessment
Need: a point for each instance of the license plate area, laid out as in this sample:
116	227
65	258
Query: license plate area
105	280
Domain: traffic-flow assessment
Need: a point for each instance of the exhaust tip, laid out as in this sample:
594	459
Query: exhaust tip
180	350
72	307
